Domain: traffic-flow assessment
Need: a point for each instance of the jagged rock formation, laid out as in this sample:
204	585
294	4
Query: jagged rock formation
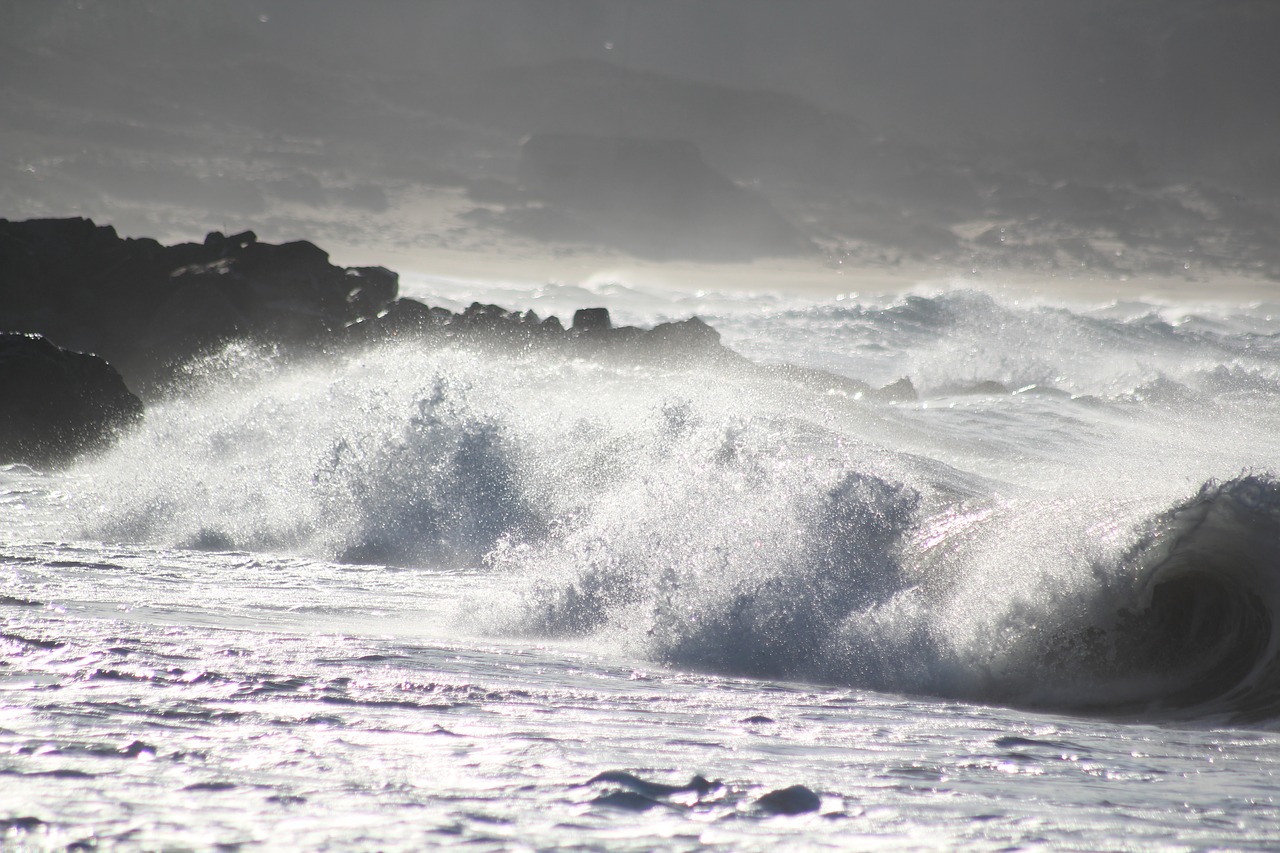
147	308
56	404
150	309
592	332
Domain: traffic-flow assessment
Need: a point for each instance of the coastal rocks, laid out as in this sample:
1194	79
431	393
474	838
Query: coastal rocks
625	791
691	334
793	800
899	391
56	404
592	320
148	308
592	332
637	795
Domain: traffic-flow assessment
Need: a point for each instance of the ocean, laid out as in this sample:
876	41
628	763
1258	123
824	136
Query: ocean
950	568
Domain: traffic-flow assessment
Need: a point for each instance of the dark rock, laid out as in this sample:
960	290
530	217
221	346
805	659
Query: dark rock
217	240
899	391
697	784
484	316
530	318
148	309
194	316
411	314
691	333
57	404
406	318
591	320
372	288
796	799
627	801
298	256
25	823
85	288
626	338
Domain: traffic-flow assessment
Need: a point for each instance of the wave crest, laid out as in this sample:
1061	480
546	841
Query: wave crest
1195	633
829	586
399	458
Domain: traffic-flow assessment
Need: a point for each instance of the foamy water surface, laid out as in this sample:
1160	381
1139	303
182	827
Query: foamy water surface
414	596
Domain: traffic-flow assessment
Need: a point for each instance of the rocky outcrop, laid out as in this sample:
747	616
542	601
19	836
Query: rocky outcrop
794	800
56	404
592	332
147	308
592	319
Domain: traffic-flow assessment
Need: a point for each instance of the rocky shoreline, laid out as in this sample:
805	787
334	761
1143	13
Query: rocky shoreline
144	310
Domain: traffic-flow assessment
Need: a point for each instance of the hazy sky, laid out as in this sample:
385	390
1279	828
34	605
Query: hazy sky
1134	63
878	120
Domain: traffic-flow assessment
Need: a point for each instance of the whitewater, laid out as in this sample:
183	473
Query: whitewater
948	568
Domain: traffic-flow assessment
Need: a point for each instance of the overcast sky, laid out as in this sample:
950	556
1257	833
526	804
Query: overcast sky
918	62
967	99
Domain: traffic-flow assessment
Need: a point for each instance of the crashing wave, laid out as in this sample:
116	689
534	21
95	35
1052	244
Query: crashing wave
1195	633
831	588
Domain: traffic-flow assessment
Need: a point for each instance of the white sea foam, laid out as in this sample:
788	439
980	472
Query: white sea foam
730	517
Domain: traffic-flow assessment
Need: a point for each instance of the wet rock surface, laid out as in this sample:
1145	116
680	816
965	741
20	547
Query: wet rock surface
793	800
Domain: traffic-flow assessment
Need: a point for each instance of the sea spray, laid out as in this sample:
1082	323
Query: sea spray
386	455
728	516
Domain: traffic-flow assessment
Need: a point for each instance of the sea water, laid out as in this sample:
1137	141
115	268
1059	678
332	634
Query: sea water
415	596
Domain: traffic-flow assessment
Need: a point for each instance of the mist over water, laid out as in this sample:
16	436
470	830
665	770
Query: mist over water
1077	140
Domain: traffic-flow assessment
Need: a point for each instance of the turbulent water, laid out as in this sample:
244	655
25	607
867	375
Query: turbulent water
416	596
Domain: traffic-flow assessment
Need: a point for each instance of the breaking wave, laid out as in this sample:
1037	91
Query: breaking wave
1195	632
847	587
375	459
773	521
